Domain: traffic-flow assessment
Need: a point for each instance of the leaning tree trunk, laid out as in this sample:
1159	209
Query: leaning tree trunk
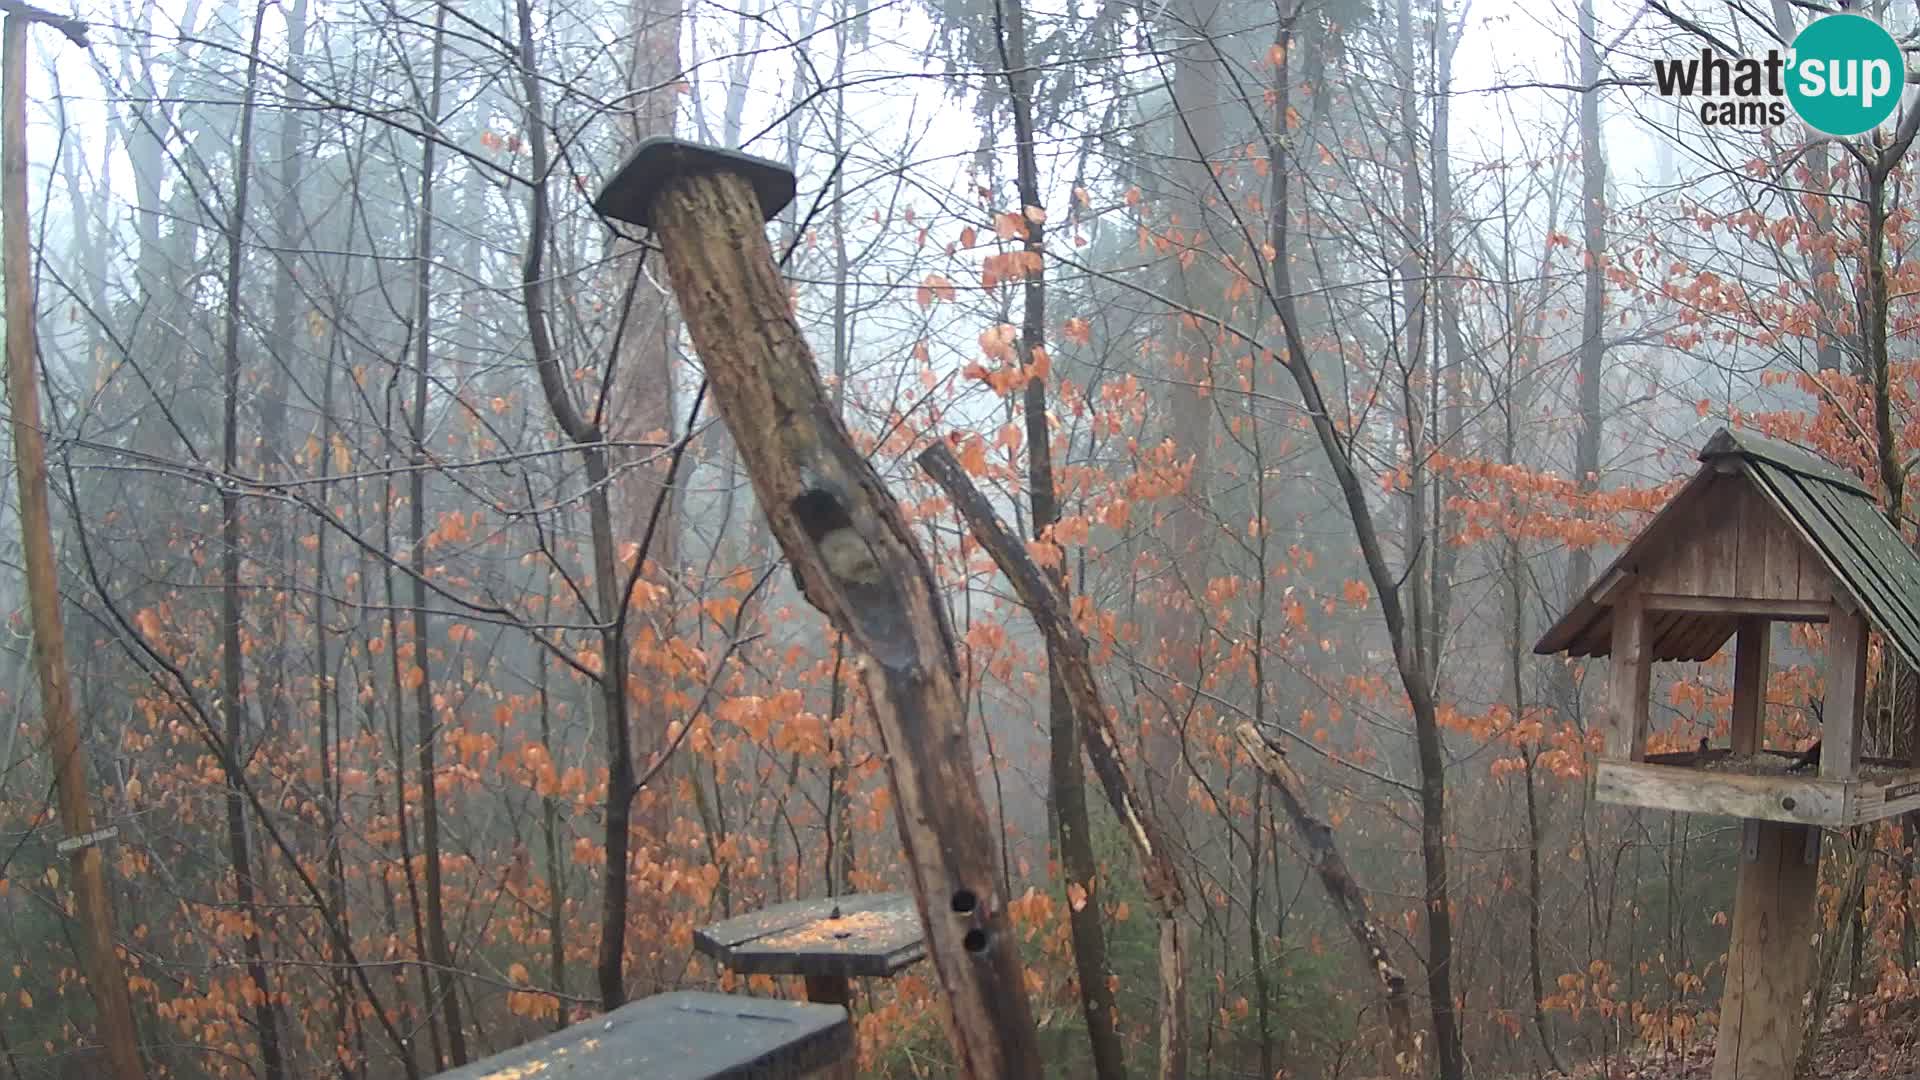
1323	853
857	561
1067	649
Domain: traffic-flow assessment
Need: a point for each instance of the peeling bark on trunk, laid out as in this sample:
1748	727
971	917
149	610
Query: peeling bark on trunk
857	561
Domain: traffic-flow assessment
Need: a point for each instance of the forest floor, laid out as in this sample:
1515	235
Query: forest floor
1886	1049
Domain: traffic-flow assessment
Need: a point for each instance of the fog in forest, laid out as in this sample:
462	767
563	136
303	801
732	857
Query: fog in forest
439	674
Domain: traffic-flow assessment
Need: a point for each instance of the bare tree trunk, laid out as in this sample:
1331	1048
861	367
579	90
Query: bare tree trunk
105	979
610	594
1198	102
232	703
550	837
327	743
1593	298
1067	782
440	951
1386	583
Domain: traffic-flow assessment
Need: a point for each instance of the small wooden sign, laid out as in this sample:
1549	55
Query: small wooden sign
75	843
1901	791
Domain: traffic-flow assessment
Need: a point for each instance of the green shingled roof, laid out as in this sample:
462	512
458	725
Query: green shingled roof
1839	514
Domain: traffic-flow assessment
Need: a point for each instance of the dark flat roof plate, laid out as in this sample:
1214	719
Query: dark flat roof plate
629	195
689	1035
874	936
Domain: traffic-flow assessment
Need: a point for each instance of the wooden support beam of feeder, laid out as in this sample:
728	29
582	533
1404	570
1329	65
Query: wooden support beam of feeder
856	561
1751	664
1630	679
1846	695
1769	958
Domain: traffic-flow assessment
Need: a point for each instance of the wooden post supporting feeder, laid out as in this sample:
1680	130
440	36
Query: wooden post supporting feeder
1763	533
856	561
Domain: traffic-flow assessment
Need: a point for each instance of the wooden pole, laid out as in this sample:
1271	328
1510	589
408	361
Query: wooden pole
1751	666
104	976
1629	679
1770	956
856	561
1843	707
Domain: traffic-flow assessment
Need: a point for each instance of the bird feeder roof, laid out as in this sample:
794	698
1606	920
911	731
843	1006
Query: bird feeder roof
1748	488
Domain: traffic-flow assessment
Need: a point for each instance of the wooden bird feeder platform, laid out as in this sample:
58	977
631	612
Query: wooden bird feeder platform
688	1035
1763	533
829	942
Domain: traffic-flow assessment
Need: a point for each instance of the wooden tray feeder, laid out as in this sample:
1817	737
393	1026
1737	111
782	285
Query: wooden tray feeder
1763	533
688	1035
829	942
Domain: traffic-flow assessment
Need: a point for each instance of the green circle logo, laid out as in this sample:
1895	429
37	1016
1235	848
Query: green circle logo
1846	74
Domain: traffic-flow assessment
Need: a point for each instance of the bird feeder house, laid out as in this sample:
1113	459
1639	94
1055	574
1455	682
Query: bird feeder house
1763	533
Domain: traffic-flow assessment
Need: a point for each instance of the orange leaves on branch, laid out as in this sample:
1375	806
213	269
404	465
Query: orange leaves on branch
1077	330
998	342
1009	266
972	452
1045	553
1031	911
1356	593
1009	226
935	287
